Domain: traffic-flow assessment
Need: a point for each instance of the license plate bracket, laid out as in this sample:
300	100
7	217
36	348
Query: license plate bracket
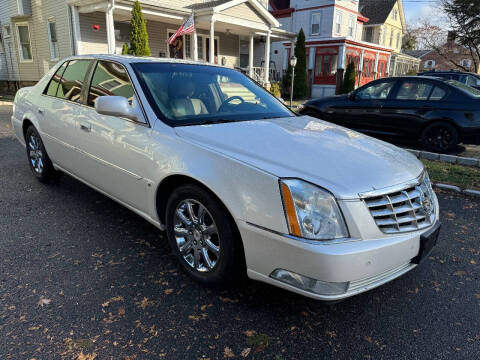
427	241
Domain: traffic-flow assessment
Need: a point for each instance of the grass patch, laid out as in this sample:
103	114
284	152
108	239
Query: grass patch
466	177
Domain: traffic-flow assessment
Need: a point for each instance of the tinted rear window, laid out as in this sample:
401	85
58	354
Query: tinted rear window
465	88
71	82
53	85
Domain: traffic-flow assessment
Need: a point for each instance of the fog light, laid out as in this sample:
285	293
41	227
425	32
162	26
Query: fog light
309	284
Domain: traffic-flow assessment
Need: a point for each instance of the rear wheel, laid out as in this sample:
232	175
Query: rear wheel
440	137
202	236
38	159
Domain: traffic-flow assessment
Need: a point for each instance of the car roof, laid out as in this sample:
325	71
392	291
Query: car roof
128	59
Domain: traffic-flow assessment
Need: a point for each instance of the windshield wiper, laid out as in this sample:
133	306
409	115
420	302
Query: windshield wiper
208	122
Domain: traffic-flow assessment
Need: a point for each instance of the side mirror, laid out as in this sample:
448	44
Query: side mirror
115	106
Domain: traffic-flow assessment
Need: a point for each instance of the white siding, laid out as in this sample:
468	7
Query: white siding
9	59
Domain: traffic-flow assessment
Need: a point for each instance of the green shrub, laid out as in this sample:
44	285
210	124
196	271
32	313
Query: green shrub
349	79
138	32
275	89
125	49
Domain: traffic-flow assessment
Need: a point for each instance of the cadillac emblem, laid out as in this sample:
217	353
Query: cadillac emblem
425	201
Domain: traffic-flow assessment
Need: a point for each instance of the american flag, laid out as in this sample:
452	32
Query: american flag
187	28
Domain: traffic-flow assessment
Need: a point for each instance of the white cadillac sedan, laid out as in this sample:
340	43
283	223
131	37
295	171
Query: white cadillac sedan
238	181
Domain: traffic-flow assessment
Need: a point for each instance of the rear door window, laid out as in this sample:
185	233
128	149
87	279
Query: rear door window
110	79
378	91
414	90
437	94
71	83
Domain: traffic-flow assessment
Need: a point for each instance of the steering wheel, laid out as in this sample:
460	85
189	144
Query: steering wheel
227	101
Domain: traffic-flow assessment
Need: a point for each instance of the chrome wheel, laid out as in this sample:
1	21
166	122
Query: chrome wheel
35	153
196	235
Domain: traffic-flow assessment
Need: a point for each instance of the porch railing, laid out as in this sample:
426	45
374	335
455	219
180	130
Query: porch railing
259	75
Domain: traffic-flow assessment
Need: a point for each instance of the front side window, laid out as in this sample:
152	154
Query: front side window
414	90
52	36
25	49
315	24
110	79
378	91
185	94
70	84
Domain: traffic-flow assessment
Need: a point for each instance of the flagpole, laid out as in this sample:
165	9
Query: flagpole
195	39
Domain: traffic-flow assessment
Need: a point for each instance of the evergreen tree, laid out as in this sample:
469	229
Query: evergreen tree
138	32
300	81
349	79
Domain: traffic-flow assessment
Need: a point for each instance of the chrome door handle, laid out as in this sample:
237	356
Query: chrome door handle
86	127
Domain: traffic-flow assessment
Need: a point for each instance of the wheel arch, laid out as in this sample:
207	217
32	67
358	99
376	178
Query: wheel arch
171	182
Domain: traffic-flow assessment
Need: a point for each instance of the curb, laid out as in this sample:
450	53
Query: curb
451	159
457	189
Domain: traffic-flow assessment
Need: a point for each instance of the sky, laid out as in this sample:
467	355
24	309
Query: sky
417	10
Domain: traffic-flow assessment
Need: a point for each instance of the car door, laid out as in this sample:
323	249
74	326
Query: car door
411	103
362	111
114	152
61	103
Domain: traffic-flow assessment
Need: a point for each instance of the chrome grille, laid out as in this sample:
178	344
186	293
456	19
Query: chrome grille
408	209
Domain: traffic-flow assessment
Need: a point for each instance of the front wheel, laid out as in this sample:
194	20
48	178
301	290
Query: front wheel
202	236
440	137
38	159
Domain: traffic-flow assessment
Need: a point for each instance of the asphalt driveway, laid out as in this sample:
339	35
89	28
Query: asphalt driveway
81	277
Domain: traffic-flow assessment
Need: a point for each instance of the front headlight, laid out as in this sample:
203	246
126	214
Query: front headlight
311	212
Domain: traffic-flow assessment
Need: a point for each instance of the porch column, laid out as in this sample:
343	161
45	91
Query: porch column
77	39
212	41
195	45
267	59
375	72
110	26
360	70
250	56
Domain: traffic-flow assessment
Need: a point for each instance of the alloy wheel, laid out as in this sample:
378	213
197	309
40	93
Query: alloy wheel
35	154
196	235
439	138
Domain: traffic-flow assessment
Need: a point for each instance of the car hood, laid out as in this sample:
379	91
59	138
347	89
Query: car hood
340	160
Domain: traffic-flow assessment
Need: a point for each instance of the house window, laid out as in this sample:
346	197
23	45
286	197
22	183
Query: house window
429	64
325	65
391	38
369	34
395	14
398	39
350	25
52	37
23	38
338	22
315	30
188	48
200	47
466	62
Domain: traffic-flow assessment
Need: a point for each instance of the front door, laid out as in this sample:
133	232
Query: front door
363	110
113	151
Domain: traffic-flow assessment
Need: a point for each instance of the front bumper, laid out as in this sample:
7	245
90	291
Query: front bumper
366	261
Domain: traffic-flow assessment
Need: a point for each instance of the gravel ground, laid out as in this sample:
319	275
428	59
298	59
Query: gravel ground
83	278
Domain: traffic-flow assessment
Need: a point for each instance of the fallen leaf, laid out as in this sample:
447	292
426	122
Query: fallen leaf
259	348
228	353
144	303
227	300
43	301
83	356
368	338
460	273
250	332
121	311
245	352
332	334
194	317
114	299
168	291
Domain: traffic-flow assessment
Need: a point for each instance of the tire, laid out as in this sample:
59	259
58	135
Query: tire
440	137
40	164
190	239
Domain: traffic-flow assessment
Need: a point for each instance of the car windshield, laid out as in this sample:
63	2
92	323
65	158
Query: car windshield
465	88
190	94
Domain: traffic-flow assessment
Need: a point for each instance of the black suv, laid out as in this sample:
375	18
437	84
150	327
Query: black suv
467	78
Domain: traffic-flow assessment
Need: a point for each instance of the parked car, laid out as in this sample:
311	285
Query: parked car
467	78
437	112
238	182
